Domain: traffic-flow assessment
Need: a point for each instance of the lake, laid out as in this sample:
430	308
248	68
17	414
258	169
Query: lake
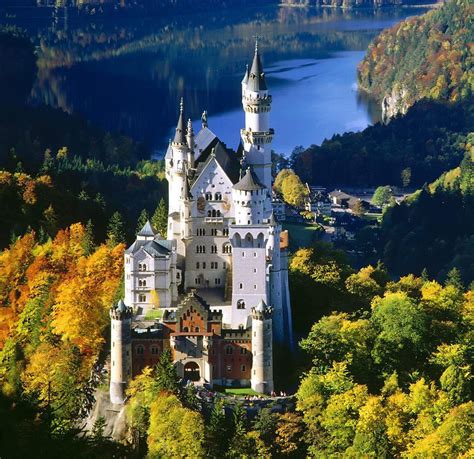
127	74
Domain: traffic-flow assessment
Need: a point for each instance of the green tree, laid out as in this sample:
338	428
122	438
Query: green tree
142	219
402	332
166	374
383	195
217	432
174	431
88	239
159	220
454	278
406	176
116	229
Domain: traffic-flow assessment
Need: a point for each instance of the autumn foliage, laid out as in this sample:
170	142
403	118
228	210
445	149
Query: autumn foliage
428	56
54	300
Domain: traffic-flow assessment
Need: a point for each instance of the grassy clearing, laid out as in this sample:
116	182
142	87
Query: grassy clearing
301	235
154	314
239	391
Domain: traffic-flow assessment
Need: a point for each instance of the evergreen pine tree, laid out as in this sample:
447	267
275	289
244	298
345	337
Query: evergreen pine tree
160	218
424	275
239	443
88	240
116	229
454	278
142	219
166	374
217	432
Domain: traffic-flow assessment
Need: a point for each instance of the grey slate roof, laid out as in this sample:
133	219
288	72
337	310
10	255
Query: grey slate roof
226	157
147	230
256	80
204	138
249	182
180	136
156	248
121	306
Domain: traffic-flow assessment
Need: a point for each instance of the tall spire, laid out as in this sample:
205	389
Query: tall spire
256	79
179	137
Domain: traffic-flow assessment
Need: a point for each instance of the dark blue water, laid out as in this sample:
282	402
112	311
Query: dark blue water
128	75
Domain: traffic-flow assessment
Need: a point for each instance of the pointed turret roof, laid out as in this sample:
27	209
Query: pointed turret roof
256	79
180	136
245	79
121	306
261	306
272	220
147	230
249	182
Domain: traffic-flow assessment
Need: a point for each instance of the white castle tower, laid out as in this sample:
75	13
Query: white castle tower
262	349
120	353
257	135
249	238
177	167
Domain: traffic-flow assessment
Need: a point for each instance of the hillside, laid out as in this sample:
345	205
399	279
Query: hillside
353	3
428	56
424	143
434	229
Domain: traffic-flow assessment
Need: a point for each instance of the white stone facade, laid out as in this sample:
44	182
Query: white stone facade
222	237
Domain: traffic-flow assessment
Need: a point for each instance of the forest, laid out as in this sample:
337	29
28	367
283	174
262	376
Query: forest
57	169
424	57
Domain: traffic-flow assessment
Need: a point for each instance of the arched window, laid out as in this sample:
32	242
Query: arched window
218	196
139	350
141	298
209	213
208	196
218	213
197	330
225	232
185	330
229	350
213	213
240	303
154	350
213	248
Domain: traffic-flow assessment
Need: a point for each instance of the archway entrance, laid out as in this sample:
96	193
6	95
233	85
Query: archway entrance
192	372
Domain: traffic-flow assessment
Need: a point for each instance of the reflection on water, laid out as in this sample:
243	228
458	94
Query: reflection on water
128	75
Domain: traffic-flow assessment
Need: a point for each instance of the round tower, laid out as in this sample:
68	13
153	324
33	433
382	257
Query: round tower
249	197
257	135
120	351
262	349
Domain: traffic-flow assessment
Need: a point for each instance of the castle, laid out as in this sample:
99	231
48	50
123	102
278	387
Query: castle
220	279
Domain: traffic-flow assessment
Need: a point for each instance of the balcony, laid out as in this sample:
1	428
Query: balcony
214	219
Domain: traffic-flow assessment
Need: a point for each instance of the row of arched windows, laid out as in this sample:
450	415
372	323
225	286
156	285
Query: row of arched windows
141	267
217	196
214	231
141	282
140	350
214	213
226	248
